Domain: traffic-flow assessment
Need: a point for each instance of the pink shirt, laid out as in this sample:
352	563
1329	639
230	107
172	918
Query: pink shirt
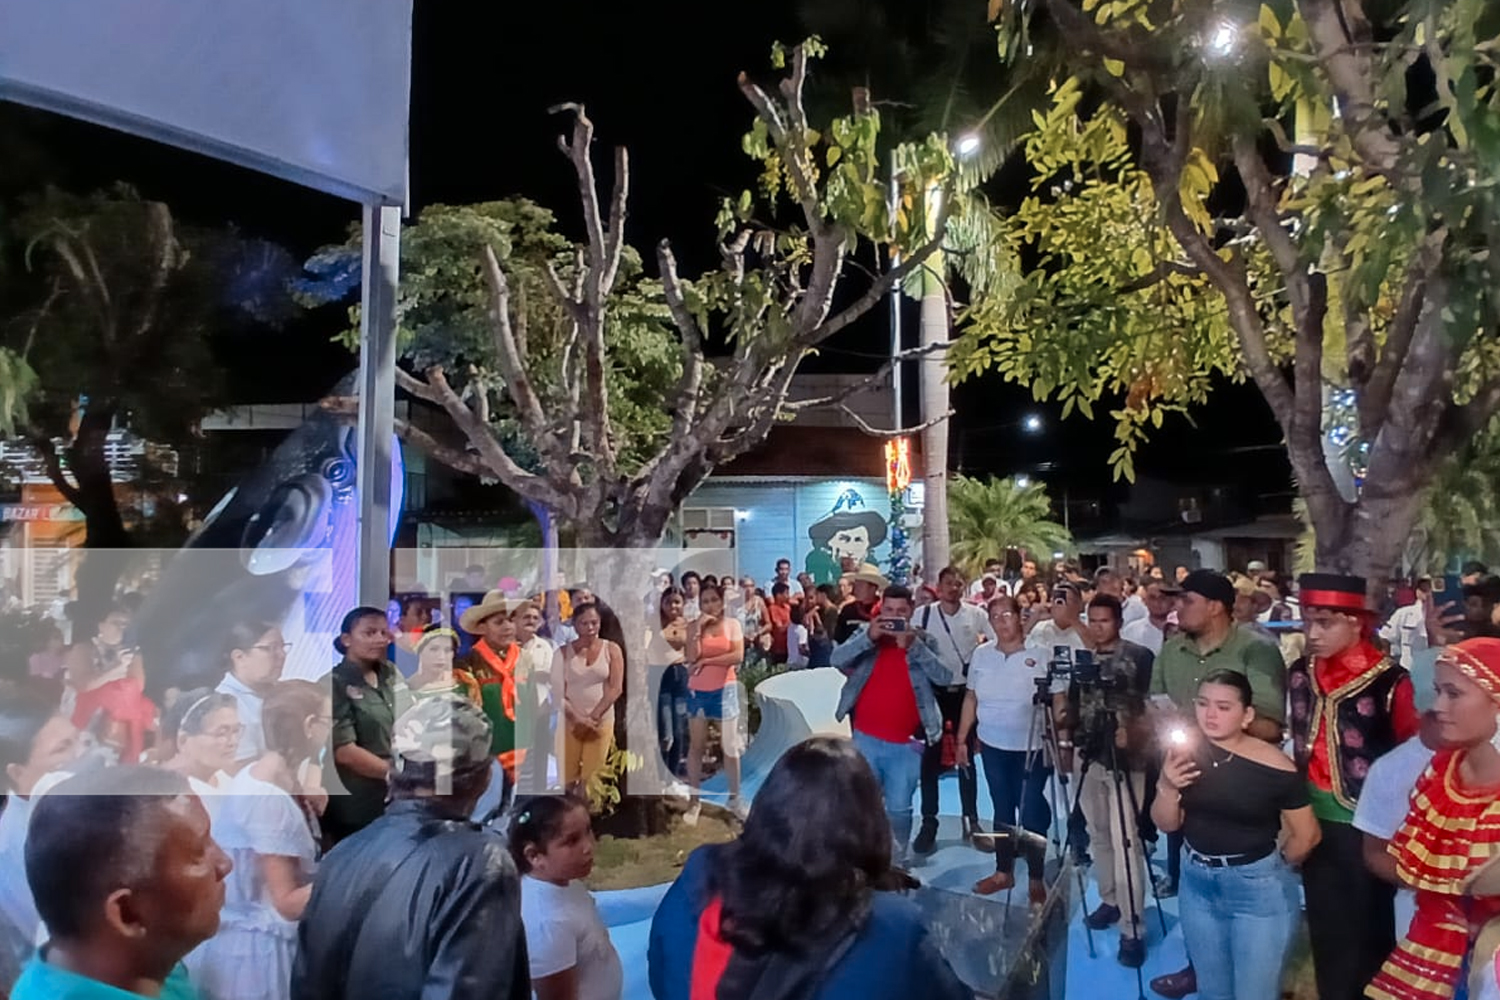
715	678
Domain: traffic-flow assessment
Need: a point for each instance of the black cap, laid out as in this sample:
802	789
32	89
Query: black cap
1208	585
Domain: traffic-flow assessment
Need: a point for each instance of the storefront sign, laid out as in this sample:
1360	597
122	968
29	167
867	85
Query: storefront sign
40	512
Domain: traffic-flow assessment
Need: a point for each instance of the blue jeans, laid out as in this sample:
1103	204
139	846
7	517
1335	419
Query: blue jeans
1014	789
898	768
672	717
1238	925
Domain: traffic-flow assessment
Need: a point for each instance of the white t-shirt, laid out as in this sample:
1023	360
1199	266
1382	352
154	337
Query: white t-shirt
1134	609
249	701
1406	631
17	908
1143	633
796	645
1047	634
957	636
564	931
1383	803
1003	686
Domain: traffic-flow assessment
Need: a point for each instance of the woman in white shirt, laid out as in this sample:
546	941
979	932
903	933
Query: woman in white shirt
267	829
1003	682
202	731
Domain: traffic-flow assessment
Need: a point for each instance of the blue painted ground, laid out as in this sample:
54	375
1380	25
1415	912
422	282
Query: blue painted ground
954	868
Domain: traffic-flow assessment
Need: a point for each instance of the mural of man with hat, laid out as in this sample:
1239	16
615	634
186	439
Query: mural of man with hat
492	664
850	531
1351	704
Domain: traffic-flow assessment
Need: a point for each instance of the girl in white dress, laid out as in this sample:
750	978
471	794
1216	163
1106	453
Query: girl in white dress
266	828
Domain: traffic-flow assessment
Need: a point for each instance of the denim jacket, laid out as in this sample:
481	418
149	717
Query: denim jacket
856	659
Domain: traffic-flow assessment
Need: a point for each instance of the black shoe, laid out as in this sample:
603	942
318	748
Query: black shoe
926	841
1132	952
1166	887
1104	916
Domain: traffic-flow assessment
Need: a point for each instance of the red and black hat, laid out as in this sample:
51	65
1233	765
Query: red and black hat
1334	591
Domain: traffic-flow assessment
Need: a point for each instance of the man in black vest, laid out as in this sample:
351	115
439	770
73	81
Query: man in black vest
1345	682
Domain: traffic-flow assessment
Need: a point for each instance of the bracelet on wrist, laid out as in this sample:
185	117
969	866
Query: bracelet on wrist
1065	744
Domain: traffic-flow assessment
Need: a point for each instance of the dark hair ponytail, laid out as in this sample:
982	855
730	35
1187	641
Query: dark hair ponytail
536	822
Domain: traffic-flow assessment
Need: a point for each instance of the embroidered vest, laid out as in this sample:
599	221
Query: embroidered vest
1356	720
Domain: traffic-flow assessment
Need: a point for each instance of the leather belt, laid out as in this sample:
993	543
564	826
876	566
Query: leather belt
1229	860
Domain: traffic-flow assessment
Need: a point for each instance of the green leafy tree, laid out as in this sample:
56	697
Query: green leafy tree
1461	517
1270	200
988	516
112	307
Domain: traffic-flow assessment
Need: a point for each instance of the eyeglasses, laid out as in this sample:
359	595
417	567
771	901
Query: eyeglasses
273	647
226	733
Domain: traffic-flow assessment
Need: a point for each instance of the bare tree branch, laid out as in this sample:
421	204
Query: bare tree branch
1351	70
52	464
865	383
511	361
904	432
685	407
346	408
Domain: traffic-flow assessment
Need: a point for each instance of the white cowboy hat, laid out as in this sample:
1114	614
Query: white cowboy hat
494	603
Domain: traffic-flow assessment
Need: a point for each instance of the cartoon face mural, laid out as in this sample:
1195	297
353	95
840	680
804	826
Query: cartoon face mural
849	532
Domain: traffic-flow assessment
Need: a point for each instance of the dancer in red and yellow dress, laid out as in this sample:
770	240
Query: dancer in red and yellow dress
1451	832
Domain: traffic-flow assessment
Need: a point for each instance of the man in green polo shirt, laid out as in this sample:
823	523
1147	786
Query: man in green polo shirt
1210	640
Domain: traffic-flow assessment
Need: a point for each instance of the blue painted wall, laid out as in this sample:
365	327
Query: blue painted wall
777	518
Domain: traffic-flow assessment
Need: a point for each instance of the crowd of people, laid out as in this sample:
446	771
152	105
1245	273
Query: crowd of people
267	838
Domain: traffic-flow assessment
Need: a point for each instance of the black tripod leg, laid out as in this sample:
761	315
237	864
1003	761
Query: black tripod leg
1078	870
1155	895
1136	923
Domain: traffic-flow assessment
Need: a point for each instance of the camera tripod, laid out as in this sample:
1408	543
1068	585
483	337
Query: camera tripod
1099	748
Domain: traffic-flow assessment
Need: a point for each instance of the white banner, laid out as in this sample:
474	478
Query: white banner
314	91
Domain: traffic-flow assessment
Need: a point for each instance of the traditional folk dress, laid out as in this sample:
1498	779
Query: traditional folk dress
1450	834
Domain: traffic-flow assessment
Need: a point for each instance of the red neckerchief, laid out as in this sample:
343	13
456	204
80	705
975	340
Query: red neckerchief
502	671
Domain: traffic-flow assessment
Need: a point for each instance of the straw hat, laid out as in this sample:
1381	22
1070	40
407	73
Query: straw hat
494	603
869	573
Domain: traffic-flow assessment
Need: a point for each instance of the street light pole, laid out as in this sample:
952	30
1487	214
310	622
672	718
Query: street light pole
895	302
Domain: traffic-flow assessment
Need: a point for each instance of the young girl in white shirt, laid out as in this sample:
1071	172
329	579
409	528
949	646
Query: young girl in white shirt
572	957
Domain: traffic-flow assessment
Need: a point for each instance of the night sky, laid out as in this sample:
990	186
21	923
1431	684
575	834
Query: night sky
660	78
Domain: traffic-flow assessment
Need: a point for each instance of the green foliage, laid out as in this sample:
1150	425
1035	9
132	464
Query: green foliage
1461	516
117	303
1114	309
603	789
988	516
1097	318
444	310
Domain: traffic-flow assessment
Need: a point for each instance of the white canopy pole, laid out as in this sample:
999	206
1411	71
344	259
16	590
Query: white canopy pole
377	400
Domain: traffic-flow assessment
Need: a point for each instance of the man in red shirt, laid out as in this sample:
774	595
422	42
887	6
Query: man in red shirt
1345	683
780	610
891	668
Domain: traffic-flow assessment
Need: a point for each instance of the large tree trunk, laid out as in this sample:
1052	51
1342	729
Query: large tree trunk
91	489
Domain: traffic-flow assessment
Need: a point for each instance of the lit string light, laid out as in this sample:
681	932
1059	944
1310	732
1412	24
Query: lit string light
1340	418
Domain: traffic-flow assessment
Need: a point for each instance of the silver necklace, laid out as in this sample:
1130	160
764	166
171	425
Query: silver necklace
1216	763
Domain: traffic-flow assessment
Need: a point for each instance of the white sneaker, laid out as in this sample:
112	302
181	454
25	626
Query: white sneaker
739	807
690	818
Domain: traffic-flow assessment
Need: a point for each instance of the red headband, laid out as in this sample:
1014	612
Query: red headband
1338	600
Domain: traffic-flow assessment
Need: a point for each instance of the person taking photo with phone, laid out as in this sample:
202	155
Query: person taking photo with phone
891	668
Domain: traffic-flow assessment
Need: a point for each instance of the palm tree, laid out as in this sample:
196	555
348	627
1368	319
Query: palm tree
988	516
931	66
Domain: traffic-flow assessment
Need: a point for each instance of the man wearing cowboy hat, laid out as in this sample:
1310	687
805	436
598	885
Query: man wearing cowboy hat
509	706
1351	705
868	583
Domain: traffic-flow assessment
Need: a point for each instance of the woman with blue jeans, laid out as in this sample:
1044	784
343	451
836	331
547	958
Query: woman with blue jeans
1003	678
1229	794
666	652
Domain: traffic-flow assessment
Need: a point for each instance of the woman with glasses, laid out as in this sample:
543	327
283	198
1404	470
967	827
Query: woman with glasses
1003	682
199	735
270	832
254	654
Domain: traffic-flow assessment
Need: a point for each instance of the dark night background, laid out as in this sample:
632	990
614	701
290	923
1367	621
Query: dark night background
660	78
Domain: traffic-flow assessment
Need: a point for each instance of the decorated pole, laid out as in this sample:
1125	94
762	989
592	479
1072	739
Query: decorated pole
897	480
